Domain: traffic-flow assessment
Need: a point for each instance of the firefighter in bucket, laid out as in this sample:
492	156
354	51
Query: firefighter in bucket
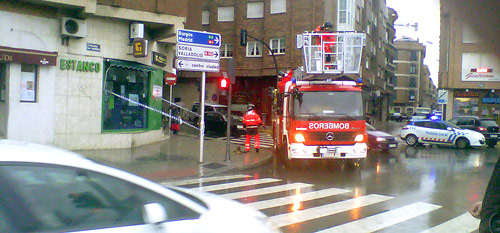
251	121
328	43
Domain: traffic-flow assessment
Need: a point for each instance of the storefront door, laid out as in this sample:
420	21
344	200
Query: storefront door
3	100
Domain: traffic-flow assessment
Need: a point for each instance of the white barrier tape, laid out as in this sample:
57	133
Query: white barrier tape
153	109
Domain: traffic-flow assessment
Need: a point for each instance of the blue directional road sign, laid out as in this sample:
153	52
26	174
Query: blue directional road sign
198	38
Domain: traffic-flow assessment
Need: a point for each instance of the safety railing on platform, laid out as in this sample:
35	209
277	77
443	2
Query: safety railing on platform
331	53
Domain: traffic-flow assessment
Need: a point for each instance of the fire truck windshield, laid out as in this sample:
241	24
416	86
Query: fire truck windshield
328	105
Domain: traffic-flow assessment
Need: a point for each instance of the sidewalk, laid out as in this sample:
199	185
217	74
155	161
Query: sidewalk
178	156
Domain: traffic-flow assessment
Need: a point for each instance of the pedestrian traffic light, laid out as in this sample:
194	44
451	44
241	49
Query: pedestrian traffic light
223	83
243	37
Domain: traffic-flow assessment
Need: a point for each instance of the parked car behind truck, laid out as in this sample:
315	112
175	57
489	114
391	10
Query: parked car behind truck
488	127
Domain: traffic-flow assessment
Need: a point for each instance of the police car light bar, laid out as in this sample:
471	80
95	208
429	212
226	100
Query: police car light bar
481	70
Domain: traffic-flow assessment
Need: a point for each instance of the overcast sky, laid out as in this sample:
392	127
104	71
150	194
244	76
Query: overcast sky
426	14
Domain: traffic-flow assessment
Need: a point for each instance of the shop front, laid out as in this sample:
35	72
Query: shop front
101	103
133	85
482	103
25	100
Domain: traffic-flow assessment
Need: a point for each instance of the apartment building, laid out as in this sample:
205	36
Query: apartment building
66	67
469	67
277	23
411	76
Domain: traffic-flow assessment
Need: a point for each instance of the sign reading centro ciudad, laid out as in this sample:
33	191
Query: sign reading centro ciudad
197	51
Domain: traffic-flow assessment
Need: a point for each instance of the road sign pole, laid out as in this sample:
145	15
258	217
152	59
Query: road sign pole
202	115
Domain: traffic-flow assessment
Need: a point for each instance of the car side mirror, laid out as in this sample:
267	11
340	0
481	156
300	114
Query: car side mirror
154	213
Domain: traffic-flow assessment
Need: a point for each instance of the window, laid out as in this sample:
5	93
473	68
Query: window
29	81
255	10
413	55
278	46
205	17
226	50
3	83
254	49
77	199
422	124
412	82
119	113
368	27
225	14
413	69
358	14
411	95
278	6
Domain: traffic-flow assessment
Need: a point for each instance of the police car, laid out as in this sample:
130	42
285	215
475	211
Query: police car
441	133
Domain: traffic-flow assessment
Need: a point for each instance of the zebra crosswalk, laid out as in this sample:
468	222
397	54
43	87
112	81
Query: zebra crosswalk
306	203
266	140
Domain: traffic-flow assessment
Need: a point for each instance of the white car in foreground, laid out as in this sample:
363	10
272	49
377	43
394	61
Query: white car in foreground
44	189
441	133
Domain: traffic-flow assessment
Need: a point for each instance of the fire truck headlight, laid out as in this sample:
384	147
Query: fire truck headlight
359	138
299	137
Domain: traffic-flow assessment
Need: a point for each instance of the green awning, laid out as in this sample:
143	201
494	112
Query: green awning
130	65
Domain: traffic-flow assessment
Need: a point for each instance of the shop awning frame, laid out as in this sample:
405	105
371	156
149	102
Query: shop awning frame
130	65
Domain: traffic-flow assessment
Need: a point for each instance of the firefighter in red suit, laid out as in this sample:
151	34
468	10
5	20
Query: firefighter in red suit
328	41
251	121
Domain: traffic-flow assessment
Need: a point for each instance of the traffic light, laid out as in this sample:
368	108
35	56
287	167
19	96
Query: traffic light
223	83
243	37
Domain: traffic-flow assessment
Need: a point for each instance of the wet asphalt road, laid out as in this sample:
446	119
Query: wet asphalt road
447	179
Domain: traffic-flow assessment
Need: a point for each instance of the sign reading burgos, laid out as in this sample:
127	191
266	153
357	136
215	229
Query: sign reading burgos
82	66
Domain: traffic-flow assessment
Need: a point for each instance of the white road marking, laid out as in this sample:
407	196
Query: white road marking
201	180
325	210
463	223
385	219
297	198
216	187
268	190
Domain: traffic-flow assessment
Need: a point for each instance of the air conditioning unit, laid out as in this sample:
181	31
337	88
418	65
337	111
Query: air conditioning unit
73	27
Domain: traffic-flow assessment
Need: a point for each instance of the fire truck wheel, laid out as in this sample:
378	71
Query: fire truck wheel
283	155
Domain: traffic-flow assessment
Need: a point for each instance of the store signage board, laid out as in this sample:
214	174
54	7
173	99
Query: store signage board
192	65
197	52
442	97
198	38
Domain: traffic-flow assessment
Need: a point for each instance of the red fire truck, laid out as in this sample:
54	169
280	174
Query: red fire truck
319	107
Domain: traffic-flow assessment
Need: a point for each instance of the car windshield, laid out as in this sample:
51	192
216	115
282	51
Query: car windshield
488	123
327	105
370	127
452	125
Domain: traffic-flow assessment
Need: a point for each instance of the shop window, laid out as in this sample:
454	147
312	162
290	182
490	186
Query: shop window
29	75
130	83
465	107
